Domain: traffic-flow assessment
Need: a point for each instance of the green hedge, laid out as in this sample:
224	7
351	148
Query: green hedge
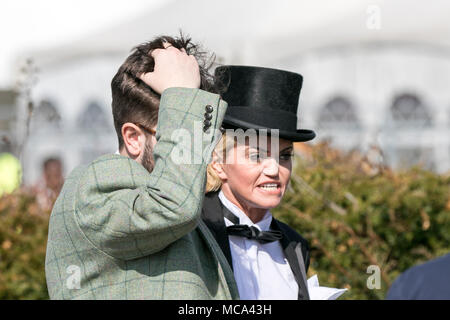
23	240
353	214
356	214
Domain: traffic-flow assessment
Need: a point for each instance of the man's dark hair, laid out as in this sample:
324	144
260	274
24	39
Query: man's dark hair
133	100
48	161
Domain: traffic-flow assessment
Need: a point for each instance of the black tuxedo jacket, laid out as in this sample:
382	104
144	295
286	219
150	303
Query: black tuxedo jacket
295	247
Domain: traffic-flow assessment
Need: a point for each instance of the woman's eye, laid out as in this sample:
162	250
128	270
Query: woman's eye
255	157
286	156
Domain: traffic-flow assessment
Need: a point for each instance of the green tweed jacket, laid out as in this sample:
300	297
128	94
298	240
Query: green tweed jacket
119	232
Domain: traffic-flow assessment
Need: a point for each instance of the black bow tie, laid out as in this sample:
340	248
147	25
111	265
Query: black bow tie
252	233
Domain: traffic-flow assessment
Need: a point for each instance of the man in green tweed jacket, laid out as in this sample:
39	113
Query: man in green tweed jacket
127	226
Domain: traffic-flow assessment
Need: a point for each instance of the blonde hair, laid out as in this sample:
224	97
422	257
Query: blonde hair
213	181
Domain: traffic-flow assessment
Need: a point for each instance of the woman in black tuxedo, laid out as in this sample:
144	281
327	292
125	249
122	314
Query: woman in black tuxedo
249	175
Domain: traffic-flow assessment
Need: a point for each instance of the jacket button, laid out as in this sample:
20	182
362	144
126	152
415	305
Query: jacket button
206	129
207	123
208	116
209	108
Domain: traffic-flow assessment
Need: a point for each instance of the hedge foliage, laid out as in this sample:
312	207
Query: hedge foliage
353	213
23	241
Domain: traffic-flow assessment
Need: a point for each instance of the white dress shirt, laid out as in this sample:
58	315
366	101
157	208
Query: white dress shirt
261	270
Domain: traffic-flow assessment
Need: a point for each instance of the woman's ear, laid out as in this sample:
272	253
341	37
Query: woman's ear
217	166
218	169
134	139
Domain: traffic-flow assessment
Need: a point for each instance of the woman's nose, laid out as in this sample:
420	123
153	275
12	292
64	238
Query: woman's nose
270	167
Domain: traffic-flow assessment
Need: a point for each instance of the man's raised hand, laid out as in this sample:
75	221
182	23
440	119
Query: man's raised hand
173	68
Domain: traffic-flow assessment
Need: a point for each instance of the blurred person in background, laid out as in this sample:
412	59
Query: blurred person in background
49	186
428	281
128	225
246	180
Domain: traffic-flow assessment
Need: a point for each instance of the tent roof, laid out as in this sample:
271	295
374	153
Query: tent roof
257	31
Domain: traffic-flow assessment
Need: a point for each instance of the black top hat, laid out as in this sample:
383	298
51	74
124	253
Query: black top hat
262	98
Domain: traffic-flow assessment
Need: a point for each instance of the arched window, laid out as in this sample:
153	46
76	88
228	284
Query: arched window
45	117
338	113
408	111
93	118
93	122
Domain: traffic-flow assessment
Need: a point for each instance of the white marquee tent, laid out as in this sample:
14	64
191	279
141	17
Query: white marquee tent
264	31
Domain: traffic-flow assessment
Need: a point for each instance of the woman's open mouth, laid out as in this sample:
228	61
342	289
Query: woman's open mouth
271	188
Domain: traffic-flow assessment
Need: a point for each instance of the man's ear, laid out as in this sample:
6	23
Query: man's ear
134	139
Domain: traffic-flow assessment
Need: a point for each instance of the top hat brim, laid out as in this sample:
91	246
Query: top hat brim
300	135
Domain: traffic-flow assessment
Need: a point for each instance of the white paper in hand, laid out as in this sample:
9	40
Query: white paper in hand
317	292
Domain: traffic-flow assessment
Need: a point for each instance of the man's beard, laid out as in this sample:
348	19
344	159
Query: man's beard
147	157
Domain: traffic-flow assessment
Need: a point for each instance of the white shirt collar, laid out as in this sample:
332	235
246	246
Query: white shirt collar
261	270
263	225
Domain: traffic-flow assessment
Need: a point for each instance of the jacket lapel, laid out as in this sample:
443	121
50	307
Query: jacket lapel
294	255
227	277
212	215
